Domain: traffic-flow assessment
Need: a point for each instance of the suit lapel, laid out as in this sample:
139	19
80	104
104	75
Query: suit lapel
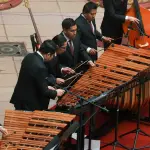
68	49
87	25
75	49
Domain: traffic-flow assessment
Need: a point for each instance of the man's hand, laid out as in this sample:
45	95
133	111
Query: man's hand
60	81
91	63
107	39
3	130
51	88
60	92
133	19
67	70
93	51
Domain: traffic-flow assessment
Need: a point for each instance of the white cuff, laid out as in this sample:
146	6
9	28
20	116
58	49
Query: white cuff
103	37
61	70
88	49
127	17
90	61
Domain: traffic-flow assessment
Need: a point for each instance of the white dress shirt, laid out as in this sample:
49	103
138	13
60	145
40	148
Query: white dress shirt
40	54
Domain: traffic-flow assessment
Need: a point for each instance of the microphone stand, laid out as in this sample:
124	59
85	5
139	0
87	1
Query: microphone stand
80	137
87	102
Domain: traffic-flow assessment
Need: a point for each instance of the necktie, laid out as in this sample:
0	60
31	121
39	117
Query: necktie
91	27
71	47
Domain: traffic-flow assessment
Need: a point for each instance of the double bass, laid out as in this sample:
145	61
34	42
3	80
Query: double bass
138	34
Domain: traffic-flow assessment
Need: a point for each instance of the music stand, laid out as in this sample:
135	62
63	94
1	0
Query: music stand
116	142
137	130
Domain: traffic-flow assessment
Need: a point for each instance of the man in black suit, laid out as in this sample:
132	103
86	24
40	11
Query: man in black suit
75	52
114	17
87	29
53	65
32	91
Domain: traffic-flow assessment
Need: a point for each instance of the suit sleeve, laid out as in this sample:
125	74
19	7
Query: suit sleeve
40	76
80	36
83	53
108	5
97	33
51	80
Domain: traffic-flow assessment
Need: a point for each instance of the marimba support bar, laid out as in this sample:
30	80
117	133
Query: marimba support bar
56	141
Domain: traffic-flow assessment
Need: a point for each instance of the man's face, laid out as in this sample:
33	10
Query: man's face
71	33
91	16
61	49
48	57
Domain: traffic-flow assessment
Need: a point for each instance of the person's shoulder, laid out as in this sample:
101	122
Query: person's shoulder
33	59
61	33
79	19
29	55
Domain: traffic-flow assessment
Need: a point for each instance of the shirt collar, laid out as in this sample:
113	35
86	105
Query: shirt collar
84	17
66	37
40	54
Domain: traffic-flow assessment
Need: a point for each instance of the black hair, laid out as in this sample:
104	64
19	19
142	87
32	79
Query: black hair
59	40
88	7
48	46
68	23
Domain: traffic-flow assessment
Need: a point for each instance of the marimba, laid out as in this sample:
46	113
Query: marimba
116	67
33	130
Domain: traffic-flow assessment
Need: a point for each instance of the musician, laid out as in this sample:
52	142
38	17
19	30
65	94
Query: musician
74	52
114	17
53	65
3	130
87	29
32	91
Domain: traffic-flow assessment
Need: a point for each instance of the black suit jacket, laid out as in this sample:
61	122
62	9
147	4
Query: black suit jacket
114	16
54	67
88	38
66	59
31	89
